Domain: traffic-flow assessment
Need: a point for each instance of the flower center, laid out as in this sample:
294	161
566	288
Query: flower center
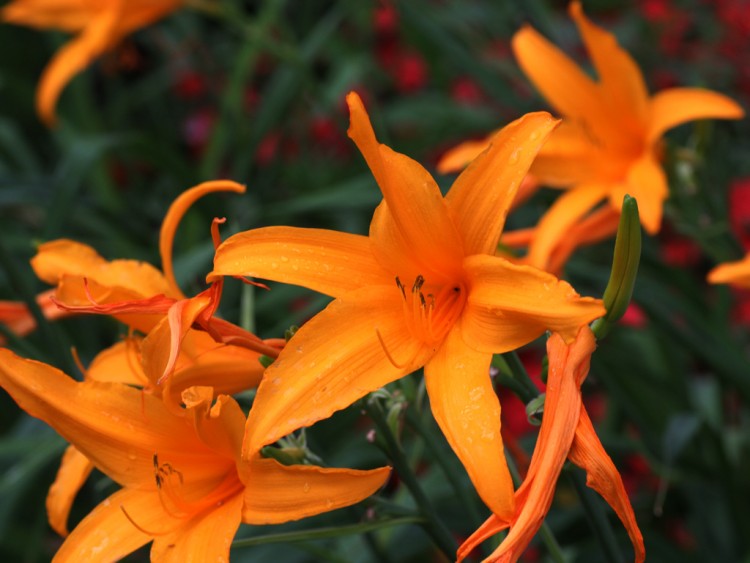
169	484
431	311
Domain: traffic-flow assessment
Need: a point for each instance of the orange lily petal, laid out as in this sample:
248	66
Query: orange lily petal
568	366
419	212
675	106
119	364
460	156
17	317
278	493
100	33
42	14
735	273
172	220
467	410
413	201
481	196
63	257
647	183
588	453
554	225
329	262
78	294
570	157
207	537
202	361
221	426
117	427
74	470
620	79
106	534
561	82
510	305
349	349
489	528
161	347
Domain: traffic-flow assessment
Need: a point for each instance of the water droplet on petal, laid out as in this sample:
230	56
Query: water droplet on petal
306	488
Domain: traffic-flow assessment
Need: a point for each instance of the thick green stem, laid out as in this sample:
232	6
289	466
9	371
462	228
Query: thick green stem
432	525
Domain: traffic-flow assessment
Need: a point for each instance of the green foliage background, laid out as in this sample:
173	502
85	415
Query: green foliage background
254	92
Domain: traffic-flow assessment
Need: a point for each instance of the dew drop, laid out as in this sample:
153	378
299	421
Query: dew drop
276	380
275	265
306	488
476	393
514	157
284	259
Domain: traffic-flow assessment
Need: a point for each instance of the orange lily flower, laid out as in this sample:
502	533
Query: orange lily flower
138	294
137	362
184	484
734	273
609	143
566	432
424	289
100	26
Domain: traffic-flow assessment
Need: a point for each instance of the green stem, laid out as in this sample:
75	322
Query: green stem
449	470
432	525
524	387
597	518
322	533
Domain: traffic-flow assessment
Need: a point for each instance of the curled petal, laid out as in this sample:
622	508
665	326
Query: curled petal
161	347
74	470
467	410
278	493
588	453
359	343
568	366
675	106
173	217
330	262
